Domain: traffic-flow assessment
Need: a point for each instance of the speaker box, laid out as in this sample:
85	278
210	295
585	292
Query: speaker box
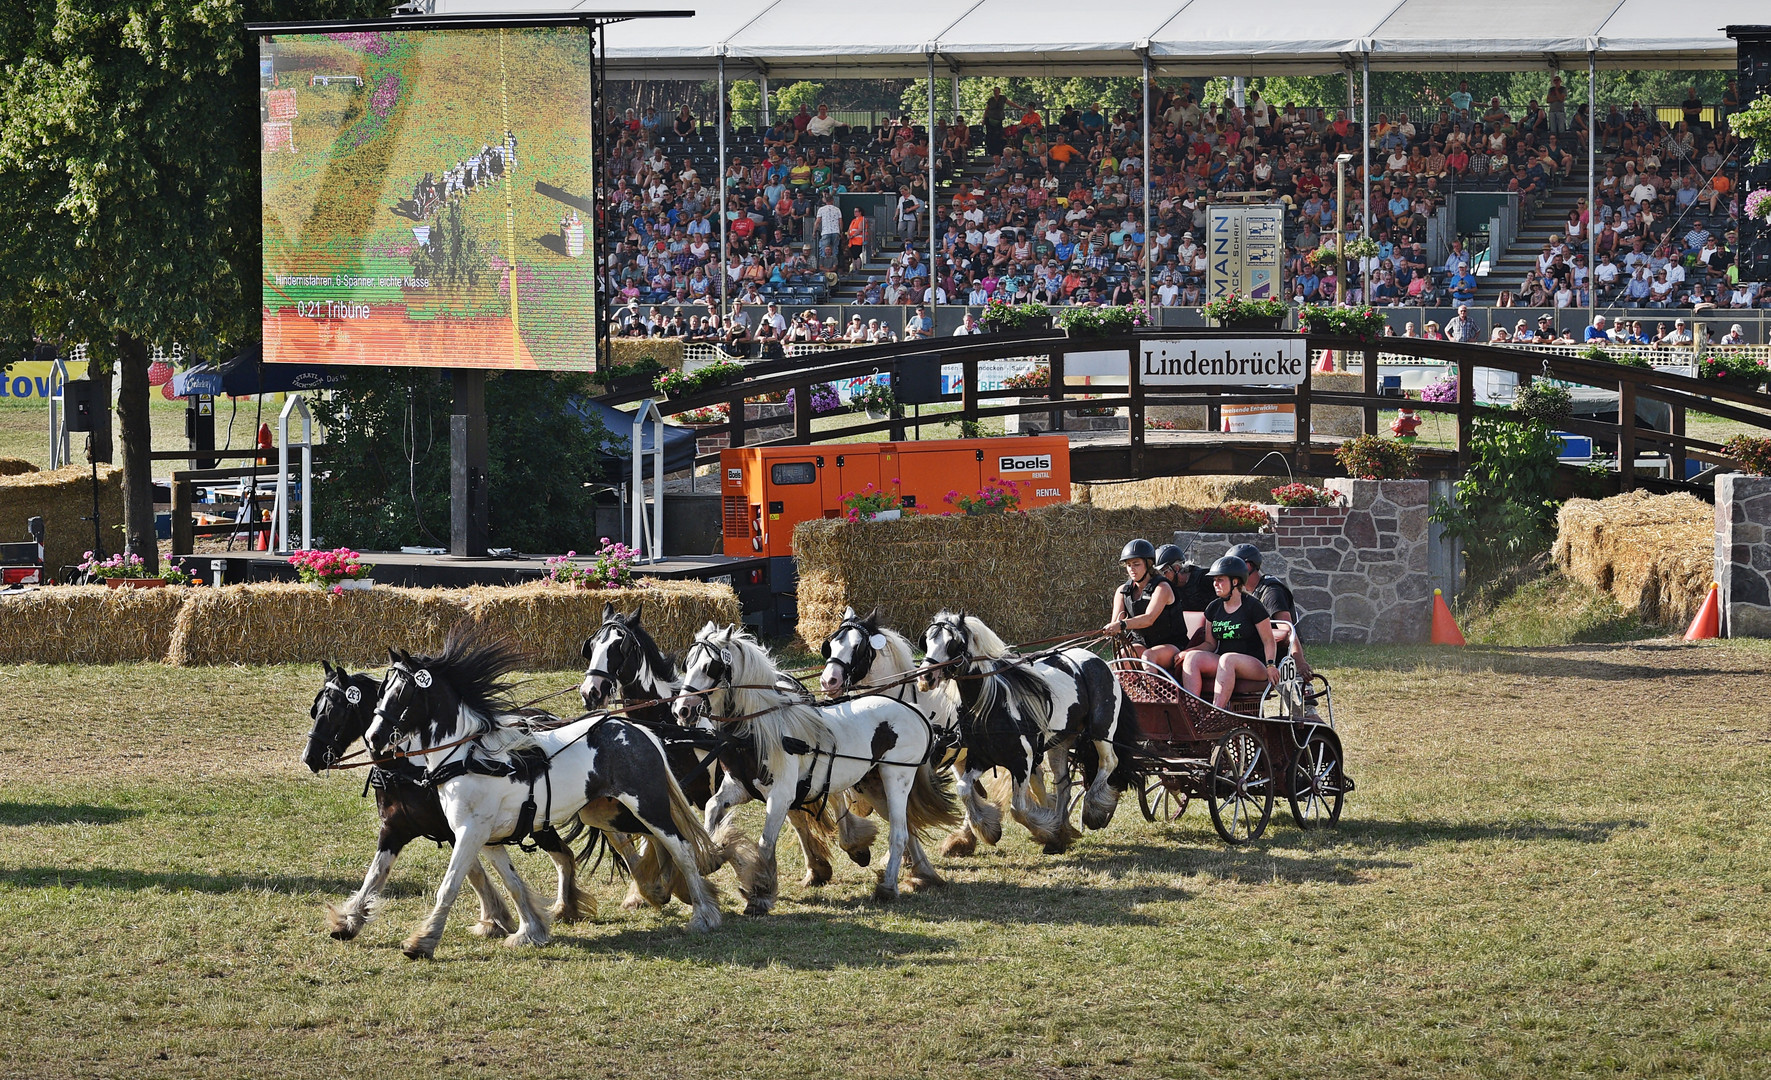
83	407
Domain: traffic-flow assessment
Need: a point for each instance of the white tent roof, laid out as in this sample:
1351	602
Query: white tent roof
793	39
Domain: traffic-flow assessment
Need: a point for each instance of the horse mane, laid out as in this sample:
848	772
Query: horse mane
899	651
985	642
662	665
771	712
1030	695
477	664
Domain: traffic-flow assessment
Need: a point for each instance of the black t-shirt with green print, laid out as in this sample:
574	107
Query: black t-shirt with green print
1236	631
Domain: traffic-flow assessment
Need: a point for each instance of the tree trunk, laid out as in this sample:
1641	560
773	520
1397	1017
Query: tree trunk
138	443
102	450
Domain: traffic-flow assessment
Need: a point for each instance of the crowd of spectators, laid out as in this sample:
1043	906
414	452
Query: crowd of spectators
1032	206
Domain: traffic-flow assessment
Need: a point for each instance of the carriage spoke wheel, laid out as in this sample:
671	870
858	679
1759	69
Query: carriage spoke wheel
1240	792
1316	786
1161	798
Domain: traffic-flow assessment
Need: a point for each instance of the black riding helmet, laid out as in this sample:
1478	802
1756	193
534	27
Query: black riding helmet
1138	549
1169	554
1248	553
1231	567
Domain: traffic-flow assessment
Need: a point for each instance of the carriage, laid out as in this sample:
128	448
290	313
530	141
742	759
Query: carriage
1272	741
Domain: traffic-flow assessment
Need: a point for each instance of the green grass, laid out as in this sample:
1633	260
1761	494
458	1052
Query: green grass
1553	866
24	429
1550	610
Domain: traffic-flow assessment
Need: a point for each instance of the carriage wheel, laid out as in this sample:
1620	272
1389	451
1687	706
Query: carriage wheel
1316	786
1161	799
1241	791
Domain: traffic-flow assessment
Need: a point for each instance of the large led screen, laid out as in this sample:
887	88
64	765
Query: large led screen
427	198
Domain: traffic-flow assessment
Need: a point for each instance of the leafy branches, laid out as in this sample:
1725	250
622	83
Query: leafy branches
1505	505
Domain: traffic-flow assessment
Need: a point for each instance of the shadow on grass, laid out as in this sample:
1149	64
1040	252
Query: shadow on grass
12	813
1402	835
1203	854
802	942
39	877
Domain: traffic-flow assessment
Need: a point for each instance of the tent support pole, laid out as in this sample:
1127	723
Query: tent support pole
764	80
934	263
725	259
1365	210
1592	164
1148	157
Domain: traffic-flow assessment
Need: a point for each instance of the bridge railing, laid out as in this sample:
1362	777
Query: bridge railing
923	359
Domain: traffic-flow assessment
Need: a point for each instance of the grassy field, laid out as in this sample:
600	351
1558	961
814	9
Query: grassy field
1553	866
24	429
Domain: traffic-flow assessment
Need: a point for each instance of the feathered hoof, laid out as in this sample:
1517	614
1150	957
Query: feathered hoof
814	879
960	842
989	831
884	893
1058	846
527	938
757	906
705	921
1098	808
342	927
922	882
860	856
419	949
489	928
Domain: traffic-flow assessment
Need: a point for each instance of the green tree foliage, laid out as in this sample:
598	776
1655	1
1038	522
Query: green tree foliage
789	98
1048	95
1505	505
129	158
387	477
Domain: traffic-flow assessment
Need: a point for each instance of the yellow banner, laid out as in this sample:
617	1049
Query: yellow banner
29	379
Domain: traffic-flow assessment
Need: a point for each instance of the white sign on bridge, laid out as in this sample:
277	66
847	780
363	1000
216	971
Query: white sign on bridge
1223	362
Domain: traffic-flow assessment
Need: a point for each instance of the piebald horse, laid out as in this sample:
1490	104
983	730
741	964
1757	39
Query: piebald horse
408	809
626	664
801	753
499	781
1082	711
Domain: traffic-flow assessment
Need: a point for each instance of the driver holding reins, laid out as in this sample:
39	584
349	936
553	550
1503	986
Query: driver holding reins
1146	605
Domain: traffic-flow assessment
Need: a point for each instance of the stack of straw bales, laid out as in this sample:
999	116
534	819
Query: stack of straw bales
88	624
277	623
1655	554
553	622
63	499
1049	571
1178	491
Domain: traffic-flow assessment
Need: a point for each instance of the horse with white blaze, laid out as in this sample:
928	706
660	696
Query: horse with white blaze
499	780
797	753
409	809
626	664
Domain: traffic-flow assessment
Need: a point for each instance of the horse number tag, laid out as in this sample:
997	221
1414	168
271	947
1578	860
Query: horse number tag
354	696
878	641
422	678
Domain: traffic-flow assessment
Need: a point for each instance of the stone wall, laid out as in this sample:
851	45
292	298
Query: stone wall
1358	570
1743	553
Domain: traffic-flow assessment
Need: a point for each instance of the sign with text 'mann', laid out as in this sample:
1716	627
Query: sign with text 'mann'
1223	361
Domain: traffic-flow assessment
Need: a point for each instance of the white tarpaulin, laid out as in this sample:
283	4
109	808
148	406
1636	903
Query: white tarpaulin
793	39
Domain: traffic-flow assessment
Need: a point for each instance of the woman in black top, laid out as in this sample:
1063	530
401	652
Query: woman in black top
1146	604
1239	637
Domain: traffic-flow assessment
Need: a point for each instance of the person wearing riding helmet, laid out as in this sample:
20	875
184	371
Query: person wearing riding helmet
1276	597
1146	604
1192	590
1239	637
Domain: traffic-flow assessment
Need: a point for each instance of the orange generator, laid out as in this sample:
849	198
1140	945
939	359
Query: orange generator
767	490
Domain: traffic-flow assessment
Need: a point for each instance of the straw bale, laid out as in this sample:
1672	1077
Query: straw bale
1344	420
552	622
1178	491
63	499
1046	572
11	466
288	624
667	351
1655	554
88	624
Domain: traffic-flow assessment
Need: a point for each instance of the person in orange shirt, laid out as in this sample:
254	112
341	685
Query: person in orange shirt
1030	120
857	236
1061	152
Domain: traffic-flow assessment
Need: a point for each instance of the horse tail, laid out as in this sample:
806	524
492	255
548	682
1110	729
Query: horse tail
931	804
688	823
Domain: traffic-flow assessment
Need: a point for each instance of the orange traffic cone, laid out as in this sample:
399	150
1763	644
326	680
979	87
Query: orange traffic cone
1708	623
1445	631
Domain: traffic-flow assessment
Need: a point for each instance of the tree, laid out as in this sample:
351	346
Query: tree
129	158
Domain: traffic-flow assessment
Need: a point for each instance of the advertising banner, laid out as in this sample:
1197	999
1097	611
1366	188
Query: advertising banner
427	198
1244	251
1262	418
1224	362
28	380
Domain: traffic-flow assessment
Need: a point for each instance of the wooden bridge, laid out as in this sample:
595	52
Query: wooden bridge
1142	453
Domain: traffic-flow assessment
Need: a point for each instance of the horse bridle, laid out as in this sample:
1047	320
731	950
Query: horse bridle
719	669
413	681
332	693
860	664
624	641
953	629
